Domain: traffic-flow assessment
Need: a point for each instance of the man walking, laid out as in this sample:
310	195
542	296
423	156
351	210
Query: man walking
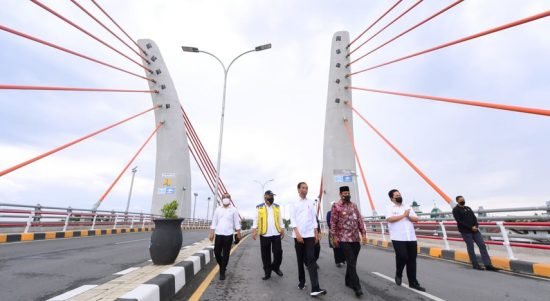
400	220
268	223
224	223
468	227
338	255
303	221
345	225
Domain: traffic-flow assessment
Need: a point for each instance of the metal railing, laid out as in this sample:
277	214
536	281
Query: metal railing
522	231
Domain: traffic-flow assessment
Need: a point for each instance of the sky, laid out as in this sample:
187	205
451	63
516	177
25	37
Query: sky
276	100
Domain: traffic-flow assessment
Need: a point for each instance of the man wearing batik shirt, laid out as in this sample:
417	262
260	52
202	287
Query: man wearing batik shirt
345	225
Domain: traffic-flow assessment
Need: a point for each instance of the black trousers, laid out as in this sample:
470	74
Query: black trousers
338	255
305	254
469	239
268	245
317	250
405	255
222	247
351	251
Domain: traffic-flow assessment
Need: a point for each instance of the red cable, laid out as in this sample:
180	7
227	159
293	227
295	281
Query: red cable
350	136
203	150
13	168
420	173
388	25
470	37
130	162
201	169
15	32
112	20
407	31
51	88
389	10
89	34
106	28
464	102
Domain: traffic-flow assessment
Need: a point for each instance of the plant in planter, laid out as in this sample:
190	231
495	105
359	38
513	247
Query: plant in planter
166	238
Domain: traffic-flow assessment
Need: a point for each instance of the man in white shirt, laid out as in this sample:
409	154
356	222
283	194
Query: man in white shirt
400	220
224	223
268	222
303	221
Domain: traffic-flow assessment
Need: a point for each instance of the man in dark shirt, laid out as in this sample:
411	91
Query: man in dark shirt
468	227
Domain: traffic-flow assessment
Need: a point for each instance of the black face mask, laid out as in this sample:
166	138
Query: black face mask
269	200
346	198
399	200
461	203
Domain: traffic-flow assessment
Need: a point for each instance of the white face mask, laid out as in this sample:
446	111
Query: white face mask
226	201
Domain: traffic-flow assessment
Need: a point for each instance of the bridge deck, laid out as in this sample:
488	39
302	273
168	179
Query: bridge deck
442	279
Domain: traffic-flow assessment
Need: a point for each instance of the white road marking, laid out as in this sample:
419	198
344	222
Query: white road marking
406	286
125	242
72	293
124	272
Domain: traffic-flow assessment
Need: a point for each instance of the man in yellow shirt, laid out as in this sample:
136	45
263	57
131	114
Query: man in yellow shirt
268	222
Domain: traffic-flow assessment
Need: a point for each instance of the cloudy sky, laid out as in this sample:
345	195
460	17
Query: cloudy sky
276	100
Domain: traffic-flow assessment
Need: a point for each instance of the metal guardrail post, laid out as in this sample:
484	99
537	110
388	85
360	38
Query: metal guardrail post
444	236
143	224
93	222
383	231
132	224
506	241
29	221
116	220
67	221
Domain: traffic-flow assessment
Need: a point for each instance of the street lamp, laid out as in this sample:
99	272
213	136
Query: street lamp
225	72
263	184
195	205
134	170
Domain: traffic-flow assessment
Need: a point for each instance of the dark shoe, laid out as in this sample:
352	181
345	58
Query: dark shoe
278	272
266	277
222	276
358	293
491	268
318	292
301	285
398	280
339	265
417	287
477	267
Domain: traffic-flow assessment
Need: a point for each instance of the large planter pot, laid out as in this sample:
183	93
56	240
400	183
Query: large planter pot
166	240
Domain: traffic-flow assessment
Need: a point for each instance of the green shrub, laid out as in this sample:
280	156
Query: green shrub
169	210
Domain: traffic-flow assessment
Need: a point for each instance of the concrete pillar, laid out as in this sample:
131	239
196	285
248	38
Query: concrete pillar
173	173
338	157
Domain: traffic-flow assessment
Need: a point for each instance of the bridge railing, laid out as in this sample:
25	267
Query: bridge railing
15	218
521	231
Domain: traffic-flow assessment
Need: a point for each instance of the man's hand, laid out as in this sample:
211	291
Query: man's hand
364	239
317	237
254	234
335	242
475	229
299	238
239	235
282	234
407	212
211	236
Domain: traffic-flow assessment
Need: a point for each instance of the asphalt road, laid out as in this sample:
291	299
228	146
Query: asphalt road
444	280
39	270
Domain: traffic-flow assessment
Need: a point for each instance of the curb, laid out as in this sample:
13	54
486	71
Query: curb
9	238
516	266
168	283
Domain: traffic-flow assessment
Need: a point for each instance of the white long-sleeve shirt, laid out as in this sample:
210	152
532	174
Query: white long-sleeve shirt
303	217
225	221
271	229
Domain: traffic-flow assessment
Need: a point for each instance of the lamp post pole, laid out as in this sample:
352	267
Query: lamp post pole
208	209
195	206
225	72
263	184
134	170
